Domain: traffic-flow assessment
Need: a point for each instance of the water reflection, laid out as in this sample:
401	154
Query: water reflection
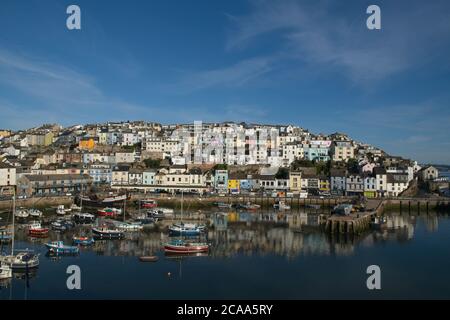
242	233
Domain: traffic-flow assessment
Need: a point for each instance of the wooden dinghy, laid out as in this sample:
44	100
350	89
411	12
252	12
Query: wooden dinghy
148	258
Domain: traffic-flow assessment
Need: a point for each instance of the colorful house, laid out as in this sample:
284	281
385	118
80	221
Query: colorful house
233	185
87	143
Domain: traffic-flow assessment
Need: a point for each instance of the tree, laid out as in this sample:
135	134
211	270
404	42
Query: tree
301	163
220	166
283	173
323	167
352	166
152	163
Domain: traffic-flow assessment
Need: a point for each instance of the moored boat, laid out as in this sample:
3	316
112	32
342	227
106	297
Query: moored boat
62	225
74	207
183	247
22	213
81	217
22	260
223	205
280	205
60	210
149	203
35	213
109	212
148	258
251	206
36	229
110	201
188	229
132	226
104	232
156	213
58	247
5	235
5	271
83	241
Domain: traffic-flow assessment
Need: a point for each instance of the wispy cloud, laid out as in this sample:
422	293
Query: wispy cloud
236	75
36	91
322	36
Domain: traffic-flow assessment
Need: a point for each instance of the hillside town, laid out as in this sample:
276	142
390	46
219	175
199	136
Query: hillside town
204	158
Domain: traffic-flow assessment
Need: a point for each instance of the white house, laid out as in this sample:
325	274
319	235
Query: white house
7	175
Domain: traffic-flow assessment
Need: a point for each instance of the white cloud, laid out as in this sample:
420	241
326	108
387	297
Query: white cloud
320	34
235	75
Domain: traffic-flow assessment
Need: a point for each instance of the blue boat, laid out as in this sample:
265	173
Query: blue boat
186	229
58	247
5	237
83	241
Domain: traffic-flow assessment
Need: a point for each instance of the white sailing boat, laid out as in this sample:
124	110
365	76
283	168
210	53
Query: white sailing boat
22	260
22	213
35	213
60	210
5	271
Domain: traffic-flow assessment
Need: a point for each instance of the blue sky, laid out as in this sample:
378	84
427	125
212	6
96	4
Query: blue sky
309	63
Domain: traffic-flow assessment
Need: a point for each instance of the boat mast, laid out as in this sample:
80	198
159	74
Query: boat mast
13	217
124	206
81	198
182	199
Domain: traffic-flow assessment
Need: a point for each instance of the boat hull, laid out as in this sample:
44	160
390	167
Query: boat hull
171	249
107	235
83	242
83	219
38	232
184	232
103	203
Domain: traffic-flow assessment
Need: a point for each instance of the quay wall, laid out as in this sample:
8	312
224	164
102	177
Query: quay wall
39	202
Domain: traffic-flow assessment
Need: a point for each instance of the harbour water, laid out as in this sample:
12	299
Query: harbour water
253	256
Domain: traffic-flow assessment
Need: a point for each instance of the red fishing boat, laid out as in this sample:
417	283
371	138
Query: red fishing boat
109	212
36	230
149	203
184	247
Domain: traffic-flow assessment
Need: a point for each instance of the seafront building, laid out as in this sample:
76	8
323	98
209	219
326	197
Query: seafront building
226	158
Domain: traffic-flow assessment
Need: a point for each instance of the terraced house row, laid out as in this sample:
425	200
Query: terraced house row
228	158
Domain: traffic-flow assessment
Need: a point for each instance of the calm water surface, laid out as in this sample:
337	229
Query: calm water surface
253	256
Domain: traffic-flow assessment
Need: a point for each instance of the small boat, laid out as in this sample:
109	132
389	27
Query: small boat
149	203
5	236
104	232
281	206
148	258
109	212
188	229
22	213
35	213
99	202
5	271
80	217
83	241
58	247
144	220
62	225
132	226
60	210
343	209
35	229
156	213
166	211
251	207
184	247
223	205
21	260
74	207
313	206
